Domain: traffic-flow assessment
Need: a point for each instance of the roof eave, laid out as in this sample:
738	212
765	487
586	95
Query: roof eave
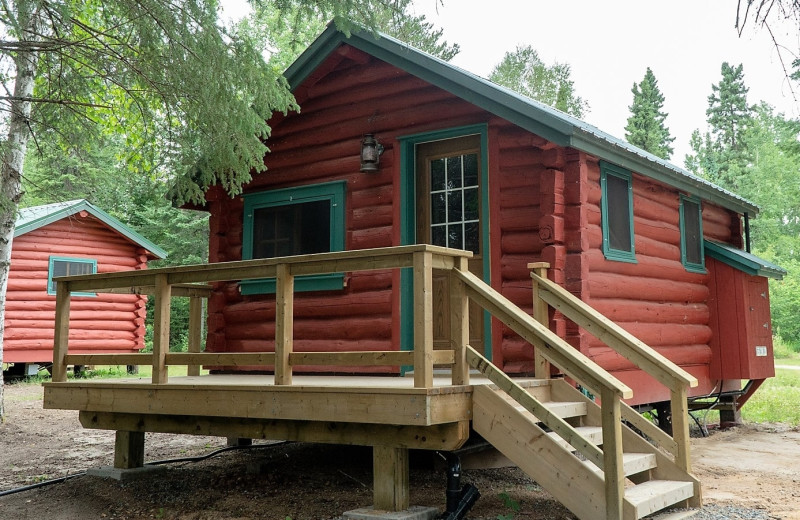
593	145
155	251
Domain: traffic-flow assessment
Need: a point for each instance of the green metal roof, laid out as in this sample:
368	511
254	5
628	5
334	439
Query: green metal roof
742	260
35	217
540	119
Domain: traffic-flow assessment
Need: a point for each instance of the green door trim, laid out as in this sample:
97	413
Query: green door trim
408	222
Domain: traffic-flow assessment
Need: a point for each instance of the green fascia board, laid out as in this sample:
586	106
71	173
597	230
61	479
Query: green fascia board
547	122
38	216
532	115
742	260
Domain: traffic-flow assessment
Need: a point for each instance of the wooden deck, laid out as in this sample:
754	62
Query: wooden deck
555	433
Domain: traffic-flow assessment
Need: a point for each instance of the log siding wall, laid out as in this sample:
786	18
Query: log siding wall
107	323
545	205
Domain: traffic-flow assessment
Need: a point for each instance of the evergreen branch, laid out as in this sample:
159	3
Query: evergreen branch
53	101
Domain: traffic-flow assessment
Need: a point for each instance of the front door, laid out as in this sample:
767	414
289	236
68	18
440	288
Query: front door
449	214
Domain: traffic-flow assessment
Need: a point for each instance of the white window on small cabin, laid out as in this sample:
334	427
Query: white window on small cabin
617	213
294	221
69	267
692	254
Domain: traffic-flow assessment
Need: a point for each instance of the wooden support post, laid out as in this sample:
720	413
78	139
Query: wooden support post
195	331
423	320
61	338
161	329
390	478
459	324
284	324
612	454
541	313
129	450
680	428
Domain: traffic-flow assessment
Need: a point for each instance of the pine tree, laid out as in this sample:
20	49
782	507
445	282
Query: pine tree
645	127
723	156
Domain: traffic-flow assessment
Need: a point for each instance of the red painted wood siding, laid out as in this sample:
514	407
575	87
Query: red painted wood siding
105	323
544	206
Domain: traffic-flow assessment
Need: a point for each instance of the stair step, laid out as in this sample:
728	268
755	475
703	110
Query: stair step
593	434
681	514
655	495
633	463
563	409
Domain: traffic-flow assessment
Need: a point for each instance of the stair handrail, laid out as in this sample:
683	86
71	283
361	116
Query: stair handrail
573	363
676	379
564	430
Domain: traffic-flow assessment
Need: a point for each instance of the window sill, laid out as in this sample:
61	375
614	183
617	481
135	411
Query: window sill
316	282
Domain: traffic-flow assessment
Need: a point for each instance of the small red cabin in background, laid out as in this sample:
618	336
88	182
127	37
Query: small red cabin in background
456	161
64	238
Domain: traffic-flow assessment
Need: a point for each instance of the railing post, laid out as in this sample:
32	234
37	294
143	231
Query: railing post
459	323
612	454
284	323
195	331
61	338
423	319
680	428
163	295
541	313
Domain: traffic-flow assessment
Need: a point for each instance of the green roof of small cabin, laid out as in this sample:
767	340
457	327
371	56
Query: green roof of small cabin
742	260
538	118
35	217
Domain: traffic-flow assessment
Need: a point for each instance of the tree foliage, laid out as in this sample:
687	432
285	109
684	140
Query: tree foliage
183	91
646	128
722	154
524	71
285	29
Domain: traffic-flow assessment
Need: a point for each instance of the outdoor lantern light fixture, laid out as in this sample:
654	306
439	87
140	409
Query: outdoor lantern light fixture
371	151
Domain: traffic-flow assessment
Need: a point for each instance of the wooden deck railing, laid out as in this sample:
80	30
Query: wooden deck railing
677	380
192	281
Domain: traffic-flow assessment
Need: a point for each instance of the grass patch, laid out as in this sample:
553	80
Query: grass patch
776	400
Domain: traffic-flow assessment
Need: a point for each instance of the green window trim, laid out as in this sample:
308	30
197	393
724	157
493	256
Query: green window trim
697	264
610	174
333	192
51	286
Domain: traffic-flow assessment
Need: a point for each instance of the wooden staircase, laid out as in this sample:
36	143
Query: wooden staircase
584	452
653	482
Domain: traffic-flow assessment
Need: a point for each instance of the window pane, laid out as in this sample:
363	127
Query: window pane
692	238
471	170
471	204
437	175
455	212
455	236
454	172
295	229
438	208
439	236
472	239
619	223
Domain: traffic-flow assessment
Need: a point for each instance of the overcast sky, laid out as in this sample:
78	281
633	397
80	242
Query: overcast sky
609	45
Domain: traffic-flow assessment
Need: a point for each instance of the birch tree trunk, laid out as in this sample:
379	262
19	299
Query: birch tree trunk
14	157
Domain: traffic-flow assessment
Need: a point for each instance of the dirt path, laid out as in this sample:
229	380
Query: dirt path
753	470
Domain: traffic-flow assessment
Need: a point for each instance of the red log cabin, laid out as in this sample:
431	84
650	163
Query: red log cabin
394	147
66	238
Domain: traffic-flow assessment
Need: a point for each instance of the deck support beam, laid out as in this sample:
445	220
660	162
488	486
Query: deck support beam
390	478
129	450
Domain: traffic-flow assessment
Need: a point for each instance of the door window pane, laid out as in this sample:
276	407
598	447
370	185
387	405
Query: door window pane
455	200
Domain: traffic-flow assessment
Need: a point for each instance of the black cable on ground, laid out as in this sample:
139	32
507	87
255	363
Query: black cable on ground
198	458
